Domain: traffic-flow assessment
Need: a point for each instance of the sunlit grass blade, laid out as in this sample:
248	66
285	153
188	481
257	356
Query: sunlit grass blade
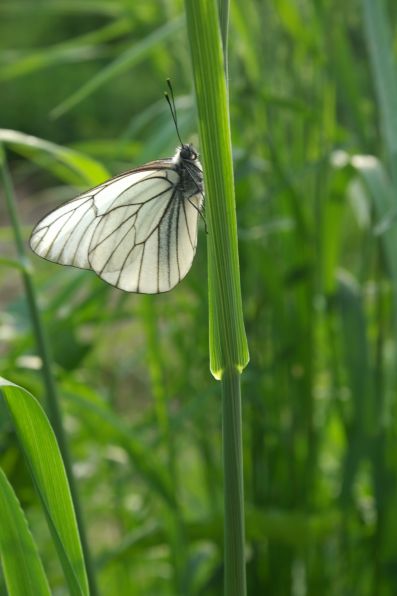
22	568
63	7
69	165
84	47
44	461
228	344
123	63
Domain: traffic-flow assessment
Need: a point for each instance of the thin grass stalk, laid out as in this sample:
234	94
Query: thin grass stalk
228	344
52	399
234	530
174	519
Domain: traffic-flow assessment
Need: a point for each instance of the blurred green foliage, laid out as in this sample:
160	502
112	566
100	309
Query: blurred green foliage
317	252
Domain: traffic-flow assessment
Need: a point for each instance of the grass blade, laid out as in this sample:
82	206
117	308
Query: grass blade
23	571
379	40
123	63
228	343
71	166
84	47
43	346
44	460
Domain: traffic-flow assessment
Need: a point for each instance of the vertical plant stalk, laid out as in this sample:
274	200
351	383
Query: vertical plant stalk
234	530
52	401
174	519
228	343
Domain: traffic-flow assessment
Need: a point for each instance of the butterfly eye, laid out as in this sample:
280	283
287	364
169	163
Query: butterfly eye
186	152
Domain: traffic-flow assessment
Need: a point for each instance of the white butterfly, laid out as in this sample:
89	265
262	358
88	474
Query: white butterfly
137	231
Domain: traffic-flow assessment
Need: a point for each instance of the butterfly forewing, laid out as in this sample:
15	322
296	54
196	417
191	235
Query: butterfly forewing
137	231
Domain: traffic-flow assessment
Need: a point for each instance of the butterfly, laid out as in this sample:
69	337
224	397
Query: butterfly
137	231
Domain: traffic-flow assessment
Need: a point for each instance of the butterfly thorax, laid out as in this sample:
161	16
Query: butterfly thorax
190	171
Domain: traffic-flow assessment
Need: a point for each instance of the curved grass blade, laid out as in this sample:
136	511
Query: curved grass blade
22	568
380	46
123	63
82	48
44	461
69	165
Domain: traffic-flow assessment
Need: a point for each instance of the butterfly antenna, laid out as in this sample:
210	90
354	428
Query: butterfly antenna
171	102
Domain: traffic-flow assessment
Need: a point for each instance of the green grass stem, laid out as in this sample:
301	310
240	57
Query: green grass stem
228	344
234	531
52	401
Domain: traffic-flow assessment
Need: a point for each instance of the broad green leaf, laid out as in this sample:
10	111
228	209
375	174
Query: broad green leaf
23	571
44	460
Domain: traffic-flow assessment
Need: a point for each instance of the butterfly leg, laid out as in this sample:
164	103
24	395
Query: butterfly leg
200	211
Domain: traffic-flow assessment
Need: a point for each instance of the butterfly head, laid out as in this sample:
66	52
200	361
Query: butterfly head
187	152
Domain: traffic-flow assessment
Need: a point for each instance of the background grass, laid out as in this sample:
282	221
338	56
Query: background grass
317	249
